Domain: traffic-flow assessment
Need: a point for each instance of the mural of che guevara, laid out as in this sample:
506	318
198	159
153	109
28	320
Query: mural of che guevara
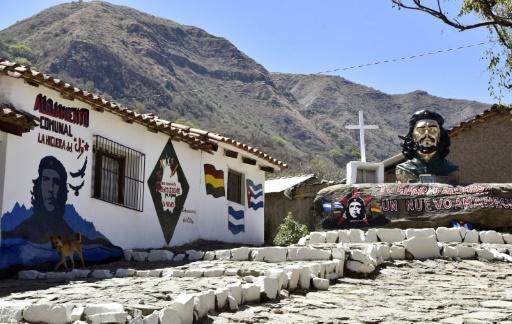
426	146
25	239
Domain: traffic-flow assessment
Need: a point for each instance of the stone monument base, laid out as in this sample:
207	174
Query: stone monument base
482	206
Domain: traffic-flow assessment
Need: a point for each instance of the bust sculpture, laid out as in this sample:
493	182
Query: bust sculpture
426	146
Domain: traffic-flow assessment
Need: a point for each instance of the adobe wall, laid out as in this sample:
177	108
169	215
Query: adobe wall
483	152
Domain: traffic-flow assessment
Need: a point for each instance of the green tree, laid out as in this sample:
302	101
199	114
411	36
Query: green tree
495	15
290	231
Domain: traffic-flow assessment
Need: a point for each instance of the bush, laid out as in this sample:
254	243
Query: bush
290	231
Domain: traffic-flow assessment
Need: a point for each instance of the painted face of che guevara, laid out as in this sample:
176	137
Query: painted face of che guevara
426	134
50	186
354	209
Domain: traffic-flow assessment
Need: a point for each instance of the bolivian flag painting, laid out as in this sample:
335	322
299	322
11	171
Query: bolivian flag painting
214	181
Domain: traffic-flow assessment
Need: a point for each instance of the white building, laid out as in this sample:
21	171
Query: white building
72	162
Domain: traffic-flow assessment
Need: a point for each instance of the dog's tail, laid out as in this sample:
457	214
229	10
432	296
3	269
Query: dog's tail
79	237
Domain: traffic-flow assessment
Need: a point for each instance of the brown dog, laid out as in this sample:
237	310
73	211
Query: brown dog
67	249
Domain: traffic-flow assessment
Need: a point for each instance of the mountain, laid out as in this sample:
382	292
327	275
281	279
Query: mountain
184	74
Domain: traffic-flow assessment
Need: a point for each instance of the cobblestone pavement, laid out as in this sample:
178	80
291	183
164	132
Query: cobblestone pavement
404	291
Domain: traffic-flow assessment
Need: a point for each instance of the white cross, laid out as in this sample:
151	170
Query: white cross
361	128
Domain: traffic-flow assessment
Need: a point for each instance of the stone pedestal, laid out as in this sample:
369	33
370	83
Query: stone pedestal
416	205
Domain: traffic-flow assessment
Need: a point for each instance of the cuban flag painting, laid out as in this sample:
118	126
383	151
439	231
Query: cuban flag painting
254	195
236	220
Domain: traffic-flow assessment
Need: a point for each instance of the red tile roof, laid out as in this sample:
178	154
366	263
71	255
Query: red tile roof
14	121
196	138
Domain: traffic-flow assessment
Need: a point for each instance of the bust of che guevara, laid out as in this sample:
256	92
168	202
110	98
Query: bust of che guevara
426	146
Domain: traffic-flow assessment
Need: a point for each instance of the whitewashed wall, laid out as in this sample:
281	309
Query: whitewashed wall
122	226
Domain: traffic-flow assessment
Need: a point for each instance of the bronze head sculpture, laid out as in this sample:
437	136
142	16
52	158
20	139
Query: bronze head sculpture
425	146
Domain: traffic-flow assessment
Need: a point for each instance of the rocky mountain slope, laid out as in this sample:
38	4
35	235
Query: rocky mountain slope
184	74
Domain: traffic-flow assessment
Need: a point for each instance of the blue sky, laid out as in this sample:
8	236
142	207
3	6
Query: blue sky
307	36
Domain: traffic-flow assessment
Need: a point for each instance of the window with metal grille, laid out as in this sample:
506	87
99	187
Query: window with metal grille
235	187
118	174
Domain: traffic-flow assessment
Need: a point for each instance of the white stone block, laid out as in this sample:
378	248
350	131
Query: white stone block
140	256
507	238
231	272
155	273
152	318
322	272
275	254
209	255
169	316
315	269
118	318
419	232
203	303
221	298
76	313
330	267
235	290
491	237
317	237
48	313
160	255
193	273
450	251
340	266
447	235
465	251
362	257
390	235
250	293
193	255
383	252
320	284
358	267
371	236
93	309
257	254
356	235
304	277
233	305
422	247
293	273
223	255
278	274
303	240
28	274
184	305
80	273
343	236
12	312
472	236
213	272
176	273
127	255
397	252
371	250
121	273
292	253
269	286
484	254
142	273
338	253
57	275
179	257
331	237
101	274
312	254
240	254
